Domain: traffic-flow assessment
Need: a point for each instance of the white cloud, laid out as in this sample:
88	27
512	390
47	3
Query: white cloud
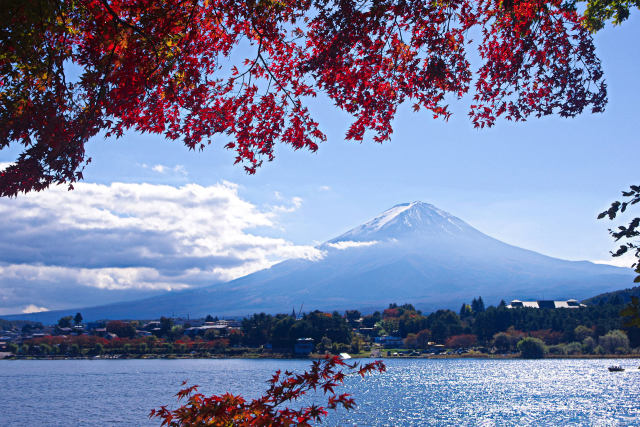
296	203
347	244
164	169
119	241
4	165
325	188
626	260
101	278
32	308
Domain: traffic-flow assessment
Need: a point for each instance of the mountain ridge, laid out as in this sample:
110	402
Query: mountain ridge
412	252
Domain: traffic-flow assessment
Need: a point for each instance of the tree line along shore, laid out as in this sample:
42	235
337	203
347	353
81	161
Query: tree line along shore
501	331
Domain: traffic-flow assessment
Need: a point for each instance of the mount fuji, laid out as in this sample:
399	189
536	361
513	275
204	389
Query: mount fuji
413	252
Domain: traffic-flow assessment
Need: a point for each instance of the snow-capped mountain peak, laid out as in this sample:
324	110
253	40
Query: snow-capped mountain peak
415	218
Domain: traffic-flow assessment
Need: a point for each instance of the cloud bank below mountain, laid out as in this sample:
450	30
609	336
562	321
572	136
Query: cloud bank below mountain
107	243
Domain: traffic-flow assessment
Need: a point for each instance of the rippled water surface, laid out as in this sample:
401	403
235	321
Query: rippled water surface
411	392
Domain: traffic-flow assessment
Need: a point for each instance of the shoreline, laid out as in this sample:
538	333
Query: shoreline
318	356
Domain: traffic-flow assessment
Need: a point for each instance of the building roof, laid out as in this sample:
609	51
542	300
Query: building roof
570	303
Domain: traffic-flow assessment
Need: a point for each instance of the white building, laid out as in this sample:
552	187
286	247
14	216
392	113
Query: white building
571	303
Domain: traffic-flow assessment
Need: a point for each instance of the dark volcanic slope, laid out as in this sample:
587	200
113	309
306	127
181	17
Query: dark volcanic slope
413	252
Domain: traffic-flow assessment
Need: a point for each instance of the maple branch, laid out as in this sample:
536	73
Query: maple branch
296	103
123	22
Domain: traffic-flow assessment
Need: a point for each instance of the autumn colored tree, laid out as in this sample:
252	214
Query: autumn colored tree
227	409
72	70
548	336
597	13
462	341
410	341
423	337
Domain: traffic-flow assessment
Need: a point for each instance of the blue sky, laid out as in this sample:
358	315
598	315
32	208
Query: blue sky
538	185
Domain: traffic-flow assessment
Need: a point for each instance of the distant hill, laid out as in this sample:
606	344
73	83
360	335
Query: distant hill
623	296
413	252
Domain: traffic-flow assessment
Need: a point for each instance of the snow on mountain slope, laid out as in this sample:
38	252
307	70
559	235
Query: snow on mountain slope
413	252
413	219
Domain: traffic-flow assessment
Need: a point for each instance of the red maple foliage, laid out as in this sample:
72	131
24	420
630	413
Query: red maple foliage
199	70
228	409
462	341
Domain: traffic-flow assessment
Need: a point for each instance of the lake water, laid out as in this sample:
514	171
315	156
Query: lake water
412	392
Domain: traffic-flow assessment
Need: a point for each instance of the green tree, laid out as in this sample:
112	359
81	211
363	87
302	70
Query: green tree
558	349
352	317
581	332
614	340
74	350
235	337
46	349
356	344
443	324
121	329
65	322
282	336
465	311
325	344
631	313
97	349
502	342
211	334
477	305
531	348
77	320
175	332
370	320
573	348
588	345
257	329
166	324
143	348
598	12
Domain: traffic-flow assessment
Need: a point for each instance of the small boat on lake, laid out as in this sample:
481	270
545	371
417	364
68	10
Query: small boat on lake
616	368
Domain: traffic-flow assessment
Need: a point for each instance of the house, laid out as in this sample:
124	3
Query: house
571	303
151	326
303	346
222	326
369	332
390	341
102	332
